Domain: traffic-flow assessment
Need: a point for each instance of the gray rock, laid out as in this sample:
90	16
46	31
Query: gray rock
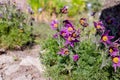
11	69
23	77
1	78
6	59
110	3
28	61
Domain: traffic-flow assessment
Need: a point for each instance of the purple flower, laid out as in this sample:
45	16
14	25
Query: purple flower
63	33
64	10
30	10
55	35
83	22
67	23
116	62
99	25
54	24
64	51
71	40
76	34
113	50
105	39
68	26
76	57
72	37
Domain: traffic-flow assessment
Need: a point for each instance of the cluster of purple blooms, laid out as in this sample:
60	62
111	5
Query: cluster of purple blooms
69	34
112	46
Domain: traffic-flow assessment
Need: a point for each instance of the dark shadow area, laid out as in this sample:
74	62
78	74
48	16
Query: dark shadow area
111	20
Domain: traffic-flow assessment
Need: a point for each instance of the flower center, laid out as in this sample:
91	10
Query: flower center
66	51
70	29
98	26
63	34
82	22
74	35
104	38
116	60
110	50
55	25
69	38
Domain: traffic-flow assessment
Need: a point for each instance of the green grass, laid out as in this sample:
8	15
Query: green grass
43	31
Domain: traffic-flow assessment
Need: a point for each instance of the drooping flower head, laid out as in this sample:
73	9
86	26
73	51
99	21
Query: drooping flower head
55	35
99	25
113	50
116	62
63	33
54	24
83	22
64	51
70	40
64	10
75	57
67	23
106	39
30	10
68	26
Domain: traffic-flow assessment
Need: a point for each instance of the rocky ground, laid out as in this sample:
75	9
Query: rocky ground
21	65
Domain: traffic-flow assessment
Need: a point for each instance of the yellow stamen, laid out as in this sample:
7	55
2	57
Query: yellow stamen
110	50
70	29
63	34
98	26
69	39
82	22
55	25
66	51
116	60
74	35
104	38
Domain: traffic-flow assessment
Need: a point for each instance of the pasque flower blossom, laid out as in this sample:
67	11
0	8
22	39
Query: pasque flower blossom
116	62
83	22
106	39
113	50
54	24
64	10
64	51
75	57
99	25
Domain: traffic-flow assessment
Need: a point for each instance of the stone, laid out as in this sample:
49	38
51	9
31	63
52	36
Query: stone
28	61
1	78
111	18
22	77
6	59
29	77
110	3
11	69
